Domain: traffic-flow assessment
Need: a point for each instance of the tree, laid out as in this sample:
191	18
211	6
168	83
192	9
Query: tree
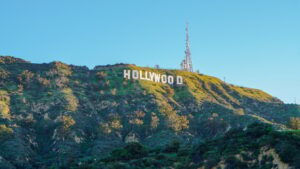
60	69
154	121
116	124
4	110
294	123
101	75
43	81
25	77
67	122
178	123
4	104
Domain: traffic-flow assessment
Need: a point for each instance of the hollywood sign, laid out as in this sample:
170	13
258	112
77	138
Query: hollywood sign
151	76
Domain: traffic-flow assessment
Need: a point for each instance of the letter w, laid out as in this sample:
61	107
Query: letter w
157	77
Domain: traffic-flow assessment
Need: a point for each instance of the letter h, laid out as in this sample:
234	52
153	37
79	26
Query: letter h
127	74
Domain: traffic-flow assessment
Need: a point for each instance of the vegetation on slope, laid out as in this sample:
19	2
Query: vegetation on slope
57	113
259	146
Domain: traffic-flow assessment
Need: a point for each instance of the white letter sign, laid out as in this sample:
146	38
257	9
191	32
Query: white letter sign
154	77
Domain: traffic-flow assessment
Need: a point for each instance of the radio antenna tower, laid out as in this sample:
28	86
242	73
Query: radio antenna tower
186	64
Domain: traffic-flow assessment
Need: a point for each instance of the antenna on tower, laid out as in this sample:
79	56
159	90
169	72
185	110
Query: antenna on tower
186	64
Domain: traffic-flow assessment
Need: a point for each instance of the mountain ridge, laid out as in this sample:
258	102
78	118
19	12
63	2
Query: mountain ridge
56	112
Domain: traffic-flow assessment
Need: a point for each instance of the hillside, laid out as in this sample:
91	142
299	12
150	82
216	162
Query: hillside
259	146
53	114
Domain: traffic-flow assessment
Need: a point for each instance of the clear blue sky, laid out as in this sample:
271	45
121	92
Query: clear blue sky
253	43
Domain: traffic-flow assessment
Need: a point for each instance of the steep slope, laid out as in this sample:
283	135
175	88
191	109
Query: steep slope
56	113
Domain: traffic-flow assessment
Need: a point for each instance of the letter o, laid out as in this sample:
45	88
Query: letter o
135	74
170	80
164	78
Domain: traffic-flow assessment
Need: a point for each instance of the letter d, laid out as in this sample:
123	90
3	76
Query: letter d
179	80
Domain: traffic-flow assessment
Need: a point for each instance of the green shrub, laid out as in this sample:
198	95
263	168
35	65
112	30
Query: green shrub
129	152
5	132
172	147
71	102
26	77
4	74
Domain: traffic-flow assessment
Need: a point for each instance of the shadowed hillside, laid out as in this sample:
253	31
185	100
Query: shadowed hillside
259	146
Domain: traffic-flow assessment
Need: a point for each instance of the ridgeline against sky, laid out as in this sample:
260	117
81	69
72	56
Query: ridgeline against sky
254	43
